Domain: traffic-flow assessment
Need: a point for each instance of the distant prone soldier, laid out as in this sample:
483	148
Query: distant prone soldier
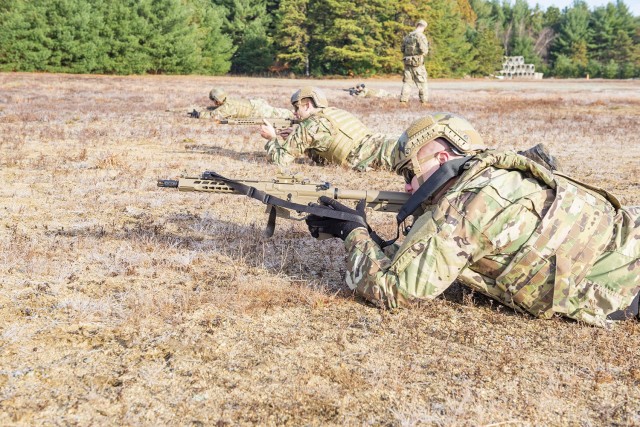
229	108
328	135
361	91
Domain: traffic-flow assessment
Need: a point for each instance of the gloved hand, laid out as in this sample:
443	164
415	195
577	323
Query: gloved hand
335	227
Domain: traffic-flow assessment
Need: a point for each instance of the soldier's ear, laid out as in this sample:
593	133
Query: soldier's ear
443	157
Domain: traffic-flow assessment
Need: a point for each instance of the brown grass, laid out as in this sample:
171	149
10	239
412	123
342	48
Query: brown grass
125	304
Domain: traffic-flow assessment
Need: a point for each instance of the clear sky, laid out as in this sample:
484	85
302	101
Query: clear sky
633	5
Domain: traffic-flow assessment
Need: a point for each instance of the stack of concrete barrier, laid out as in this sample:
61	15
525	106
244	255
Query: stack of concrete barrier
513	67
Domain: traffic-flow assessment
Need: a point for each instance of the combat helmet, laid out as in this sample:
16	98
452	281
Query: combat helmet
458	132
319	98
217	95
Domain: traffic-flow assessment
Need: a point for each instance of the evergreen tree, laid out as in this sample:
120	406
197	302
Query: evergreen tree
450	52
24	36
256	53
216	48
171	41
292	35
125	32
488	52
355	41
72	35
574	33
248	24
565	67
612	27
521	43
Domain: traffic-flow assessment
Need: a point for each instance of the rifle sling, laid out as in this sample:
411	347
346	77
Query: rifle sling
427	190
272	201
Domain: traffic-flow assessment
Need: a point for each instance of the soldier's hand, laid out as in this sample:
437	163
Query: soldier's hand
285	132
320	227
267	131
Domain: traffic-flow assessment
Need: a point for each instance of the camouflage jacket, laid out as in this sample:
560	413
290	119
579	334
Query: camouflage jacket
415	44
240	109
507	228
373	93
334	136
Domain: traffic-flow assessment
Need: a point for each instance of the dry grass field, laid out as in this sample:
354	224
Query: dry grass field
125	304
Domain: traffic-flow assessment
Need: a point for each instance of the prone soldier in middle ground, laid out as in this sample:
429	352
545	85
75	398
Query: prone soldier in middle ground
230	108
328	135
362	91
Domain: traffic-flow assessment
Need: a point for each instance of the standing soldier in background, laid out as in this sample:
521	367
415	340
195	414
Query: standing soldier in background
414	48
328	135
228	108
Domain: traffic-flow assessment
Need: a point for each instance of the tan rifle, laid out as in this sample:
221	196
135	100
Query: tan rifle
287	194
253	121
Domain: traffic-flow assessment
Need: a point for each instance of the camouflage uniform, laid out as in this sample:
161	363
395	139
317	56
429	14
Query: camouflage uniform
239	109
373	93
414	47
334	136
510	229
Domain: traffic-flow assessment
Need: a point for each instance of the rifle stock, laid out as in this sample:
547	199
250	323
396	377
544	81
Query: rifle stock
287	194
277	123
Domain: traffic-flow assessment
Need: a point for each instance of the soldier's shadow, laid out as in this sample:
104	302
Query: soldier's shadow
213	150
290	251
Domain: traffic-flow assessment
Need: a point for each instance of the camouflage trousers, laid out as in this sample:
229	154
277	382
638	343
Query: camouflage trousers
417	75
373	153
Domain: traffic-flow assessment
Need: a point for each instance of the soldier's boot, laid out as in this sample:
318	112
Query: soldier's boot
423	95
540	154
630	312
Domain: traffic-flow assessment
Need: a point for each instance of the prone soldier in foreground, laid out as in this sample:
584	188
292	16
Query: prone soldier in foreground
328	135
499	223
228	108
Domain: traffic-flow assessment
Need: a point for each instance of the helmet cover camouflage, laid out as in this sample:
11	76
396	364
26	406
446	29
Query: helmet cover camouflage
217	95
295	97
458	132
319	98
421	23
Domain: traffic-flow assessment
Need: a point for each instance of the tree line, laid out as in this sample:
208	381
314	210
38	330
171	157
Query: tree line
314	37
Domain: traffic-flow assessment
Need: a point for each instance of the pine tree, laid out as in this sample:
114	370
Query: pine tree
450	52
125	32
216	48
609	25
489	53
172	40
292	35
344	37
248	24
574	36
24	36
